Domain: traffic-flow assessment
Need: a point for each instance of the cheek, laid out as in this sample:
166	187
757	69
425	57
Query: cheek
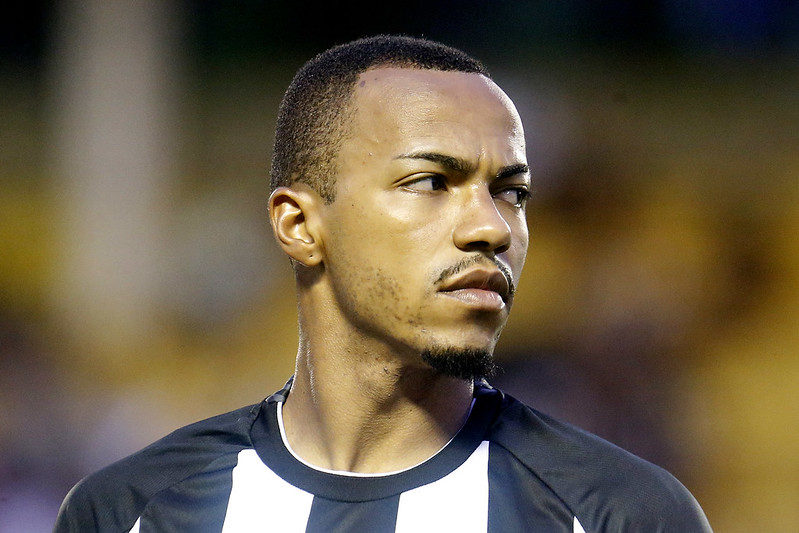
399	233
378	301
379	293
373	271
518	250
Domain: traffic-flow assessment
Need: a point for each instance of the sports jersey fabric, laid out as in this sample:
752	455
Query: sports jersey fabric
509	469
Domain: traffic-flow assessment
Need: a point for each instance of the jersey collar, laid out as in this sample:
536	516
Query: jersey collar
273	452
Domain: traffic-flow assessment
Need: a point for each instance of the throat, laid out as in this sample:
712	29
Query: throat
359	434
361	470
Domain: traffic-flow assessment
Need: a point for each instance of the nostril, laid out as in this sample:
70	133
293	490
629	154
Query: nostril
485	246
502	249
481	245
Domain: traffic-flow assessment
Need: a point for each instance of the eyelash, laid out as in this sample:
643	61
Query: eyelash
522	195
438	183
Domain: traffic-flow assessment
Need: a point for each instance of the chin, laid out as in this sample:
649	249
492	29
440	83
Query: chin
466	363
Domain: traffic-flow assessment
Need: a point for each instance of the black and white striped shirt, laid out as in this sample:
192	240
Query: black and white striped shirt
509	469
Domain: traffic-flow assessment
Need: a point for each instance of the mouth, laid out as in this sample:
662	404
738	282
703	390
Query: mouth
487	289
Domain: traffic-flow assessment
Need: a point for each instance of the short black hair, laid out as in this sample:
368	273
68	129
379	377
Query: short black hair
314	112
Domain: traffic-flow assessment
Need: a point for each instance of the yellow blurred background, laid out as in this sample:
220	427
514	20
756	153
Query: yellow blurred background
140	289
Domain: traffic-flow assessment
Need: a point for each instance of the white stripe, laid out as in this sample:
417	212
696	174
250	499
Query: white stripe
262	501
457	502
136	526
578	527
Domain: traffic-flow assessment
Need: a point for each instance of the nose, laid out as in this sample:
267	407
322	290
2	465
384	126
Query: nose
481	226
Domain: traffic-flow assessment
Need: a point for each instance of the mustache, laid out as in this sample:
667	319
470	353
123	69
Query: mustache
467	262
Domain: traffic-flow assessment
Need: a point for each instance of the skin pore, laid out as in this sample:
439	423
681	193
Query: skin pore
419	253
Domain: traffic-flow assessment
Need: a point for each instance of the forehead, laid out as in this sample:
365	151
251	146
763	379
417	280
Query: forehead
405	82
396	105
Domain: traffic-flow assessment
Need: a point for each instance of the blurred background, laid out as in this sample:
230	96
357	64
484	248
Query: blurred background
140	289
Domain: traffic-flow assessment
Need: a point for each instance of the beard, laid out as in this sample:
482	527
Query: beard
468	364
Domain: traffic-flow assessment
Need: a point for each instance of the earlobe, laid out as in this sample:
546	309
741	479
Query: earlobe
293	212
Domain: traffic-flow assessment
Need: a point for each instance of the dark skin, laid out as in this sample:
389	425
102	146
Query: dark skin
419	250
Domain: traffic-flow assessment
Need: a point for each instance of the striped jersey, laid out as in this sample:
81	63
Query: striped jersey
509	469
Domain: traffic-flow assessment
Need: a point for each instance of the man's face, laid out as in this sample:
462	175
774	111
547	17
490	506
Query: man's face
427	235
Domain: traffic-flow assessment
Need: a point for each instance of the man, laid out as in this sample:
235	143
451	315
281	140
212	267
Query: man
399	186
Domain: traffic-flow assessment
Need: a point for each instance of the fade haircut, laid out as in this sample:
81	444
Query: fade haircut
315	114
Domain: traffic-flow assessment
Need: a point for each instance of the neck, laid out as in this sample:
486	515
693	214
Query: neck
365	410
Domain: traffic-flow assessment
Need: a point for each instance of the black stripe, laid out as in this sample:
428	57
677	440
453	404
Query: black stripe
198	503
519	501
330	516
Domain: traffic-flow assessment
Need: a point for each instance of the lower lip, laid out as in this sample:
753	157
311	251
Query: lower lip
478	298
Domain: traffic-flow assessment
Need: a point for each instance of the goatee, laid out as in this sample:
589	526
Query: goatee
463	363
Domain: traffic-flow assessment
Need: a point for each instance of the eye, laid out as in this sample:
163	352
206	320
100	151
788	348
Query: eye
426	183
516	196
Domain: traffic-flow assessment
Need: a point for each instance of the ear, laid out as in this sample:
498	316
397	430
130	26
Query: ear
294	214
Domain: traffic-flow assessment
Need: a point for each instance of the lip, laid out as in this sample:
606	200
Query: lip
479	287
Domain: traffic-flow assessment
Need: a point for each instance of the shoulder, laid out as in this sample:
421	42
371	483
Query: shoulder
606	487
112	498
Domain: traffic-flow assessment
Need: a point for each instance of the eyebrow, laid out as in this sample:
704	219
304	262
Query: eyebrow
461	165
513	170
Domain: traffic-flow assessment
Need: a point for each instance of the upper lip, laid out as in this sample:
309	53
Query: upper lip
479	278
